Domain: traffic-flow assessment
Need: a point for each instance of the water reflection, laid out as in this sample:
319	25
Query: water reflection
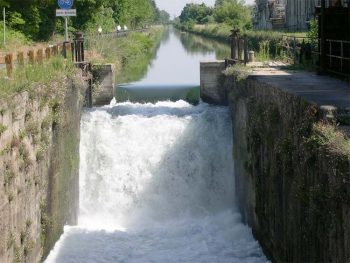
197	44
175	69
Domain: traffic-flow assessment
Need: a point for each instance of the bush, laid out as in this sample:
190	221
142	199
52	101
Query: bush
234	13
130	54
14	40
24	77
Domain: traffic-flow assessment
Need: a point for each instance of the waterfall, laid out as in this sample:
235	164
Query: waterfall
157	185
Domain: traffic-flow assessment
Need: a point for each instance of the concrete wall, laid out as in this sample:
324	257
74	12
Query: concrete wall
292	183
292	163
104	84
39	159
210	90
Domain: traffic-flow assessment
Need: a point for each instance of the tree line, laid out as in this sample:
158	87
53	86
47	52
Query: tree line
37	19
231	12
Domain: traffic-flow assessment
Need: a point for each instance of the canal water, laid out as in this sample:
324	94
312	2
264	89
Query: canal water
175	69
156	176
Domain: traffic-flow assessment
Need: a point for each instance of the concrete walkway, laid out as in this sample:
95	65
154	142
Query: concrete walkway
321	90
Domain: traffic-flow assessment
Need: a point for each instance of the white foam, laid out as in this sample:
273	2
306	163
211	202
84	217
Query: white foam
157	185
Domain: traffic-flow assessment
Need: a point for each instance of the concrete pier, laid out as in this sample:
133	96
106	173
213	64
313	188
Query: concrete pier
292	163
103	80
211	90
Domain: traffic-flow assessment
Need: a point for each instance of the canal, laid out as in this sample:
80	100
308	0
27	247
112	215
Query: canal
156	173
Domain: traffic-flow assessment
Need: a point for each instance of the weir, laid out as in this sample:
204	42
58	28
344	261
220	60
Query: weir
157	179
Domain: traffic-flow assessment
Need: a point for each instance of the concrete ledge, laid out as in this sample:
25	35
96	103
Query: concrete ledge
292	183
212	90
103	78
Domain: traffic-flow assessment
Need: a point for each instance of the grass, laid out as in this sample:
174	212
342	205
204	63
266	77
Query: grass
131	55
240	72
3	128
266	44
24	78
193	96
329	136
14	40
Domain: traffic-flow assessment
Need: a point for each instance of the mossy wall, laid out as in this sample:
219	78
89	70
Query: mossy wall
39	164
293	186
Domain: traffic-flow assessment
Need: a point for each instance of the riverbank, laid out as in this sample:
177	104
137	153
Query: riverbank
40	112
131	55
39	160
266	44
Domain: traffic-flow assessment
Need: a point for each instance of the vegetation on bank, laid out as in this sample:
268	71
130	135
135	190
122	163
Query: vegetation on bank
229	12
37	21
14	40
332	138
218	21
28	77
130	55
268	45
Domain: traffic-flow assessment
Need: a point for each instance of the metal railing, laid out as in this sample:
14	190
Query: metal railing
332	3
301	49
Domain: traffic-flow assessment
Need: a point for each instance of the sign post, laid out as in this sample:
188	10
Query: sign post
65	11
65	29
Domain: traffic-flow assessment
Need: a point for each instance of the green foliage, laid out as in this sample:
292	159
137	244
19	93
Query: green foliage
36	18
233	12
103	18
312	34
14	40
264	51
268	45
134	13
240	72
16	20
327	135
196	13
193	96
138	51
162	17
3	128
25	77
130	54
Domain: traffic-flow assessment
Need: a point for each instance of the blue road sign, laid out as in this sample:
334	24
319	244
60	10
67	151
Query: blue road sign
65	4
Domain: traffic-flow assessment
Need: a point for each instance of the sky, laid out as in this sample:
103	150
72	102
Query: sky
174	7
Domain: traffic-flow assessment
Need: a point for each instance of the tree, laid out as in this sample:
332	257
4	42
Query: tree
198	13
163	17
37	20
232	12
4	3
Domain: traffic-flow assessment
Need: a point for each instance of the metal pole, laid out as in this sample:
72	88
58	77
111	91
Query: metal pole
65	29
4	15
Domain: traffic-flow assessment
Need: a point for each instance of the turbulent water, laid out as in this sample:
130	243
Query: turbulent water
157	185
